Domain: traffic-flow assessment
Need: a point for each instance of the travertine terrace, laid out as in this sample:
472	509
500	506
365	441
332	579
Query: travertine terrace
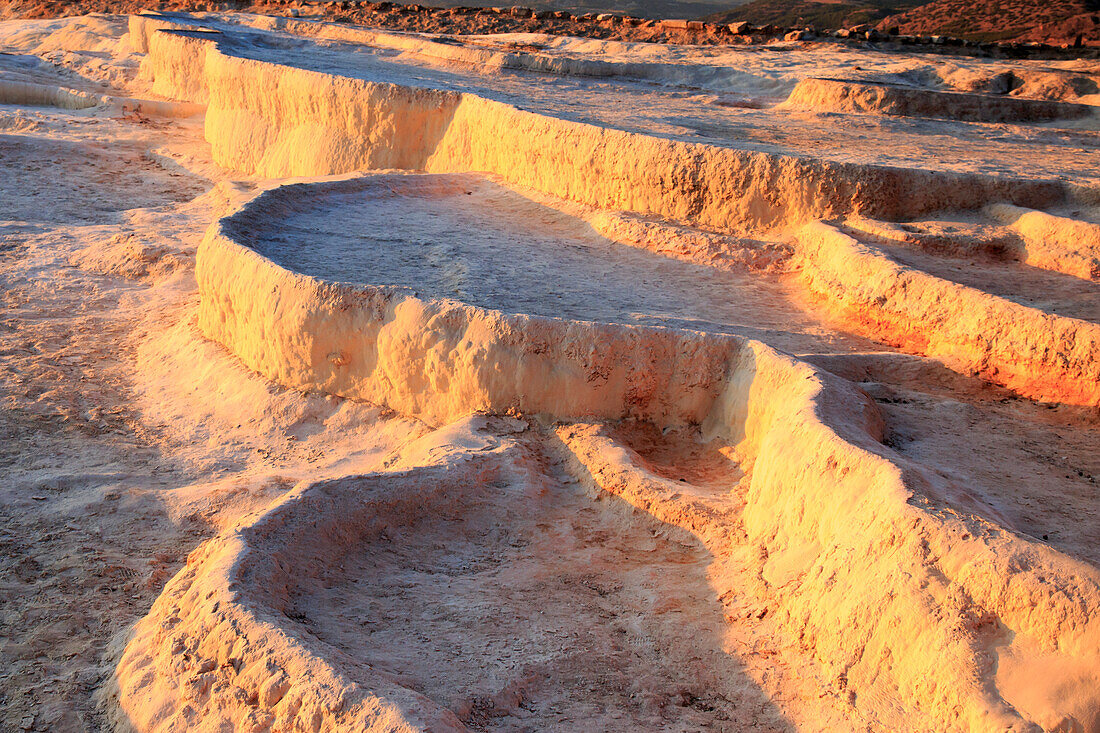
364	380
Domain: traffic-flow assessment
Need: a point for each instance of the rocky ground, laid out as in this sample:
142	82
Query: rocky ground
1037	32
1026	20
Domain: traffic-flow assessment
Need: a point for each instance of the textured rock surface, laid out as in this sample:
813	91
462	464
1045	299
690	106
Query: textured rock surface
1043	356
412	496
1055	242
837	95
946	588
255	123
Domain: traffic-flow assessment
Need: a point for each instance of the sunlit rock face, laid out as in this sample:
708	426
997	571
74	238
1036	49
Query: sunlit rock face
525	382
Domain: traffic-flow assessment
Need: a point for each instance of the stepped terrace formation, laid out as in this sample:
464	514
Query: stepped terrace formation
364	380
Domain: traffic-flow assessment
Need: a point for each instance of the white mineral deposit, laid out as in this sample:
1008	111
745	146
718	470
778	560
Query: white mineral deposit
357	379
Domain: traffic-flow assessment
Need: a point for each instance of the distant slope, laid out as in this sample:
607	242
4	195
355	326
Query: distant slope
1052	21
686	9
641	8
821	15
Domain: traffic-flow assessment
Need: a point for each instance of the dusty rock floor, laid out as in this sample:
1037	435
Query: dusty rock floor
127	438
75	451
561	608
101	452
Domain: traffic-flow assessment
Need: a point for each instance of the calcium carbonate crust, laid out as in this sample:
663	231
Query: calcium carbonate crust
915	606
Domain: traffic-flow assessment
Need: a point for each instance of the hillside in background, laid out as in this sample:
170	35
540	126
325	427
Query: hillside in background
640	8
1050	21
1057	22
817	14
686	9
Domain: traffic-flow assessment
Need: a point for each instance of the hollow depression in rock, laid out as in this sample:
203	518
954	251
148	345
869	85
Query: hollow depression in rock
464	237
528	606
